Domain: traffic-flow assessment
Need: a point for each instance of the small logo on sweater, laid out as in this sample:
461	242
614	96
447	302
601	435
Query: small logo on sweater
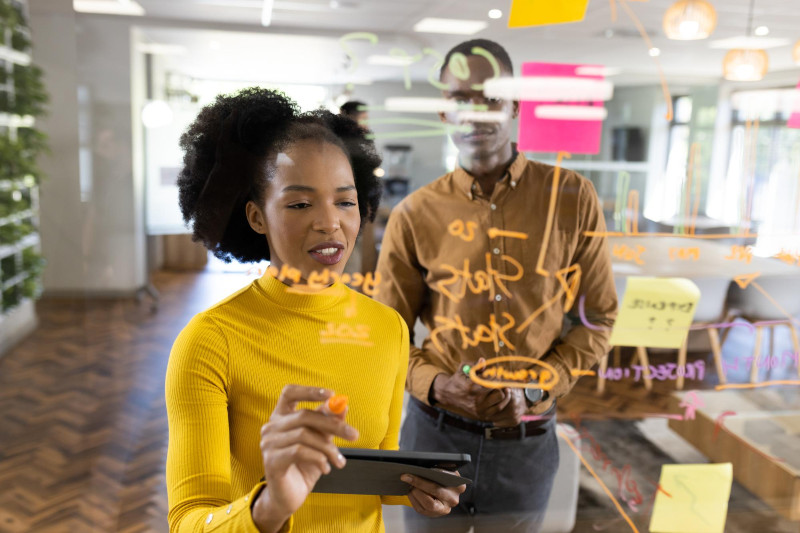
345	333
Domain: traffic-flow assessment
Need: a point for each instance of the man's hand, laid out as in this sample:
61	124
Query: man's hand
511	414
431	499
457	391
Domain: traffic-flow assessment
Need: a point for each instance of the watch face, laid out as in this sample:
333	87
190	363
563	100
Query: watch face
534	395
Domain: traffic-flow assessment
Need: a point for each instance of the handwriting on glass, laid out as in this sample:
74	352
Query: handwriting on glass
479	281
626	253
345	333
668	371
684	253
493	332
740	253
494	374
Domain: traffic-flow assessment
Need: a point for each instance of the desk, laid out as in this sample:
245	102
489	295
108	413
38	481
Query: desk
763	446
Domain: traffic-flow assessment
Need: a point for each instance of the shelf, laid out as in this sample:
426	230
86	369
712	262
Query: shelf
16	121
600	166
16	217
25	242
14	56
16	280
24	183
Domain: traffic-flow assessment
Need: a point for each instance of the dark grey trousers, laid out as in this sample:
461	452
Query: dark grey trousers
512	479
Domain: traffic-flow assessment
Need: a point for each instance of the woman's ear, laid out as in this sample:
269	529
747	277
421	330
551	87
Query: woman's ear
256	218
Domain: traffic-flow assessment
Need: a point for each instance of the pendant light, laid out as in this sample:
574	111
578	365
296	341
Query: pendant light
689	20
746	64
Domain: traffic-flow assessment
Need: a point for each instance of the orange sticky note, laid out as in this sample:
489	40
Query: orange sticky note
543	12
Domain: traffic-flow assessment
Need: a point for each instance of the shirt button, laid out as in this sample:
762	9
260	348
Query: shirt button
493	207
498	297
501	344
496	251
210	518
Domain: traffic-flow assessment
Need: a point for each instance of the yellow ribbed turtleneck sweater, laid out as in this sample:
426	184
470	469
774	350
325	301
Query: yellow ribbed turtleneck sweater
225	374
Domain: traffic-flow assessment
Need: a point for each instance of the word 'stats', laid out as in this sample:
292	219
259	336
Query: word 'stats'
493	332
489	280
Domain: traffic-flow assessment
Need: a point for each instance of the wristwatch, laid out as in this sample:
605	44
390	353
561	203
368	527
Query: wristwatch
534	396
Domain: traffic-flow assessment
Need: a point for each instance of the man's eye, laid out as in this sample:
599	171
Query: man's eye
347	203
494	101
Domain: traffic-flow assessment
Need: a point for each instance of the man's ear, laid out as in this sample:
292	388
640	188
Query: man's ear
442	116
515	109
256	218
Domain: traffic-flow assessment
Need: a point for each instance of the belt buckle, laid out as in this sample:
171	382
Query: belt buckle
487	433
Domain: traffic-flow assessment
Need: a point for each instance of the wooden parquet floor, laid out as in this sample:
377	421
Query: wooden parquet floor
83	428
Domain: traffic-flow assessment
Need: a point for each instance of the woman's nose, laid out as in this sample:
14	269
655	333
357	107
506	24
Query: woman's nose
327	220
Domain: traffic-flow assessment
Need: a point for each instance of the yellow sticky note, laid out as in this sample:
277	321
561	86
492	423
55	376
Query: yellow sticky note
696	499
655	312
542	12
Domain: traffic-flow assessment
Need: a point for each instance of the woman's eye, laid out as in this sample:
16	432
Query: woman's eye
347	203
301	205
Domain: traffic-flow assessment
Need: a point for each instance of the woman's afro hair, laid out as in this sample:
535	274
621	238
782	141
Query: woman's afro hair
232	141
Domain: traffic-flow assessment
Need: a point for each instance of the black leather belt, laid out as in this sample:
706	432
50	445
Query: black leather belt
526	429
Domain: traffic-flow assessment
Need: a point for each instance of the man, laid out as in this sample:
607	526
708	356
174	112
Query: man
355	110
477	258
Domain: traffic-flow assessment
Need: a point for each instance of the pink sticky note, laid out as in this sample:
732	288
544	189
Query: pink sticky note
794	118
537	134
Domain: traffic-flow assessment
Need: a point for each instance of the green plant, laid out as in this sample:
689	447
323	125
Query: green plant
18	158
30	96
14	201
12	233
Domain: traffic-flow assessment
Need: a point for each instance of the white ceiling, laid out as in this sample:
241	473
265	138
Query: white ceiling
320	57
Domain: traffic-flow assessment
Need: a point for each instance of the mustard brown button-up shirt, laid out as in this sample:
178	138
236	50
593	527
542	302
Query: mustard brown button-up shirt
489	276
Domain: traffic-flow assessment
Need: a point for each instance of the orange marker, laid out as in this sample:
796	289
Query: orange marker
337	404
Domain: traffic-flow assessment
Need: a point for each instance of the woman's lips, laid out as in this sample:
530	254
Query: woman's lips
327	256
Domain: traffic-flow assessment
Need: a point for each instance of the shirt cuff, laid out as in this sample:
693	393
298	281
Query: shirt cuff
564	384
237	516
423	381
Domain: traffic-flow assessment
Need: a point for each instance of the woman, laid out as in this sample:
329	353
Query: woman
262	181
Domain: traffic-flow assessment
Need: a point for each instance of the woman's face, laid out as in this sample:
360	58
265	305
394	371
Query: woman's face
310	211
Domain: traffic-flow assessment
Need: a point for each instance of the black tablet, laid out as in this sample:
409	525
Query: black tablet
378	471
443	461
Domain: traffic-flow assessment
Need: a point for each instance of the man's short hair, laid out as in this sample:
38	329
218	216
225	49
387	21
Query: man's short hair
492	47
353	107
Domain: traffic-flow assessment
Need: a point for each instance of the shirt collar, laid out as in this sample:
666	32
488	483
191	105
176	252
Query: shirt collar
464	180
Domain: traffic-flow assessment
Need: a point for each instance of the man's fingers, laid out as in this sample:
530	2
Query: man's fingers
432	490
291	395
307	437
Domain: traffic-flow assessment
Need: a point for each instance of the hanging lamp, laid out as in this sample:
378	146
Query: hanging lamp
689	20
746	64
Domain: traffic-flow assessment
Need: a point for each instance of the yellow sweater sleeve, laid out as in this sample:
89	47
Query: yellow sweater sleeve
392	438
198	456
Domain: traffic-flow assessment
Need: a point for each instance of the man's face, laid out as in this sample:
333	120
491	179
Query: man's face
487	138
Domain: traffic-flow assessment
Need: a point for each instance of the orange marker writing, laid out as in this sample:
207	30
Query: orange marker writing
337	404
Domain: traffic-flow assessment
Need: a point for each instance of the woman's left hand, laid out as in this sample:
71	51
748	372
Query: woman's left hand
431	499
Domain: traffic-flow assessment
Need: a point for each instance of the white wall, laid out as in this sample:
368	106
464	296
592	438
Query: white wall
92	235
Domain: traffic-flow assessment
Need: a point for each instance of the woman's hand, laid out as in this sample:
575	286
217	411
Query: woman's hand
431	499
296	449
